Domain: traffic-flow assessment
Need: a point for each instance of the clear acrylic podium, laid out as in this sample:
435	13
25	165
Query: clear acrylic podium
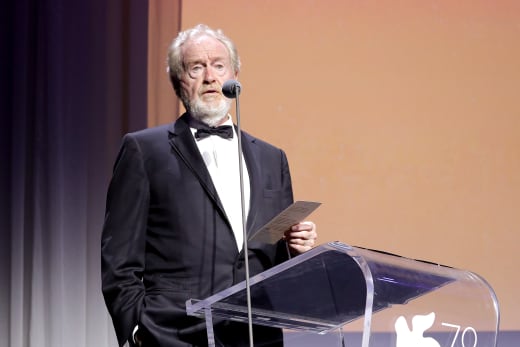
339	295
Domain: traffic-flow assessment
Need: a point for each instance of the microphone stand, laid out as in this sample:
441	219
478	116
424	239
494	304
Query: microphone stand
242	198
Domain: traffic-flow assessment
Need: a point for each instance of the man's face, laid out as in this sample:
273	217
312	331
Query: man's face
207	66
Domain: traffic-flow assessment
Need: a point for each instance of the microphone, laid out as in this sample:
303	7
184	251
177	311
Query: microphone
231	89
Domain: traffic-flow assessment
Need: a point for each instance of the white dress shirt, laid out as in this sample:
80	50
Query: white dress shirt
221	158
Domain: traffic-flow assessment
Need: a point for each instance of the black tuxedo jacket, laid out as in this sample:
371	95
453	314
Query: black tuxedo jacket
166	237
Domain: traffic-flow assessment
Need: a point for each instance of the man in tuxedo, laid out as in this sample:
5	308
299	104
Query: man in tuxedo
173	226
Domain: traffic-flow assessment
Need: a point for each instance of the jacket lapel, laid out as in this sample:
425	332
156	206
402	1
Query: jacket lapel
183	143
250	156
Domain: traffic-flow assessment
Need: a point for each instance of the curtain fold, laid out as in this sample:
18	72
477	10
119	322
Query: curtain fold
74	80
163	26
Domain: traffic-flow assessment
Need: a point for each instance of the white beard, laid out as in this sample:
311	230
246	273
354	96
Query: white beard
210	115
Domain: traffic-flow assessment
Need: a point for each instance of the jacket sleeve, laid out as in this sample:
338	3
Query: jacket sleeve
286	182
123	239
287	199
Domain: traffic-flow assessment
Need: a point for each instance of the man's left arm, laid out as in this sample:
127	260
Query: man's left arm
302	236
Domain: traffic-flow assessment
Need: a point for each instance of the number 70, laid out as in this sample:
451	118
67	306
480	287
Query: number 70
464	332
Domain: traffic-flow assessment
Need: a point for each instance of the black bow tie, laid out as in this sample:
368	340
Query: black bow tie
224	131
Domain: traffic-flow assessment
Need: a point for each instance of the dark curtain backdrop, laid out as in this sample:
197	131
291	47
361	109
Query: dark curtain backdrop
73	80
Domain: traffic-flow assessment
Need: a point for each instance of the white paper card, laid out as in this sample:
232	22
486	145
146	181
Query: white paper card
294	214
